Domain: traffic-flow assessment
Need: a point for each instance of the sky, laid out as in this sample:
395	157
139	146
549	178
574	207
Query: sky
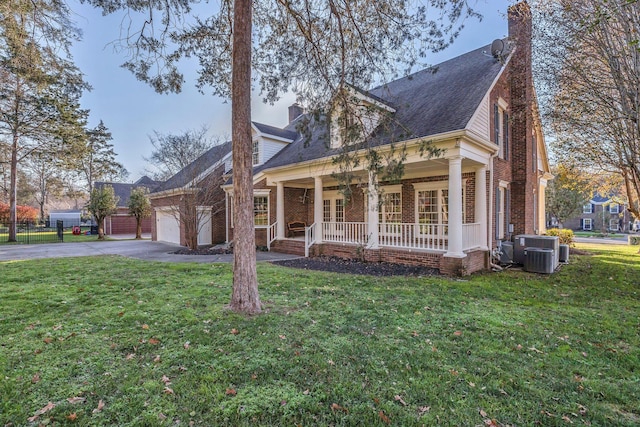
132	110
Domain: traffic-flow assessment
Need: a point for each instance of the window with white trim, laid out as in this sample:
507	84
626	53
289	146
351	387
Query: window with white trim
432	206
256	152
614	208
260	210
501	127
613	224
587	209
586	224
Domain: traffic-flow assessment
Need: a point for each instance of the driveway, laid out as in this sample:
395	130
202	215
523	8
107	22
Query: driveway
139	249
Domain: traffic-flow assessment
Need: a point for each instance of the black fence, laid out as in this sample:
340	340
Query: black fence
28	232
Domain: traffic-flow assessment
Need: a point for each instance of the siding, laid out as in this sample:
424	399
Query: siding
479	123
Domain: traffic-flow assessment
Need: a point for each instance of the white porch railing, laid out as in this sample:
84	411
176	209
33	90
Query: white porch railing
345	232
414	236
310	234
272	233
472	236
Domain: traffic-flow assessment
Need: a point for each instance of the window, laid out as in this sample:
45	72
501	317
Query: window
613	224
614	208
588	208
432	205
261	210
256	152
586	224
501	128
391	207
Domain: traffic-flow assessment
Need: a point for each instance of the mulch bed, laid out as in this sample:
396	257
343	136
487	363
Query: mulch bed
339	265
204	250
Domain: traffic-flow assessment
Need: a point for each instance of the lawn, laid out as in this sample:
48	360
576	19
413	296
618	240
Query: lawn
114	341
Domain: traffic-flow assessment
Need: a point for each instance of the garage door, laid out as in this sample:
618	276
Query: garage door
167	227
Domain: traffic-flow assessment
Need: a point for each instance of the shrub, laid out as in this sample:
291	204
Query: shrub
24	213
565	235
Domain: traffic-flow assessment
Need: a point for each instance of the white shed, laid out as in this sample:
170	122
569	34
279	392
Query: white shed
69	217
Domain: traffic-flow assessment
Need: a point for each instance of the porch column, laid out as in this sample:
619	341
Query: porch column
542	213
318	207
455	208
280	210
372	212
481	204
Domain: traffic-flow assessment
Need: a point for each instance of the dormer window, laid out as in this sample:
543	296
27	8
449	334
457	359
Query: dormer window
256	152
501	127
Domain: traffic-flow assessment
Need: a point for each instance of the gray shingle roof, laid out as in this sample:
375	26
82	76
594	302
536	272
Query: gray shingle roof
274	131
439	99
123	190
195	168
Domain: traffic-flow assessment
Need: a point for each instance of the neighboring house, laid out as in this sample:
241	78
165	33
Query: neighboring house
479	109
602	214
122	222
69	217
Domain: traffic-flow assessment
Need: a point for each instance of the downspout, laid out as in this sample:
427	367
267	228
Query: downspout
490	218
226	217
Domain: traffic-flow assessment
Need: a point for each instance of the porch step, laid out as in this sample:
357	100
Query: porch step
293	247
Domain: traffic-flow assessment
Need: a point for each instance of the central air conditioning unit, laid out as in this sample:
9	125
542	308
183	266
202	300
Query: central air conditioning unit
523	241
506	252
539	260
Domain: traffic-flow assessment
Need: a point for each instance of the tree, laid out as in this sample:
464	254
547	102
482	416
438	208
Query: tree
140	207
44	171
172	153
94	159
40	87
102	203
567	192
316	47
589	56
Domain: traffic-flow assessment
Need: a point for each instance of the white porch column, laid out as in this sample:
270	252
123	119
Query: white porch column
280	210
455	208
481	204
542	213
372	212
318	207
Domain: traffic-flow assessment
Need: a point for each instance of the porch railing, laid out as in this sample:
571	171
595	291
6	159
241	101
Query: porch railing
472	236
414	236
272	233
345	232
310	235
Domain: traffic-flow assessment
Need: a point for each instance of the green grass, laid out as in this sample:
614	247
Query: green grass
156	345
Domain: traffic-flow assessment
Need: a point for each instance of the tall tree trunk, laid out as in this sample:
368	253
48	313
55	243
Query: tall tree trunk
100	228
138	227
13	191
245	297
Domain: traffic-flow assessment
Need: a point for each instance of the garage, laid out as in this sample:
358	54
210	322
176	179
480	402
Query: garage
167	227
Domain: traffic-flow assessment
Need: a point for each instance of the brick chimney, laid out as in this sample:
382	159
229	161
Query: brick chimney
295	111
524	148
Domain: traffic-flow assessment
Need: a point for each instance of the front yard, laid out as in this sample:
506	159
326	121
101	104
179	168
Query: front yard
114	341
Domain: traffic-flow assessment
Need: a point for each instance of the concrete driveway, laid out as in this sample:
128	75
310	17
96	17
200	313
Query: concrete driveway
139	249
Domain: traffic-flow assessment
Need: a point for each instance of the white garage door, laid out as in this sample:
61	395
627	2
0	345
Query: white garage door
167	227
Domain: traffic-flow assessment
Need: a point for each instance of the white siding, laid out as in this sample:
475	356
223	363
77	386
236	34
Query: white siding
479	122
270	148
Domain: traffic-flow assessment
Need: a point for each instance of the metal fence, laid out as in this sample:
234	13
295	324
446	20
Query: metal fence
28	232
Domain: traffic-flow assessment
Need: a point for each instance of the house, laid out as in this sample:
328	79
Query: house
122	222
602	214
477	111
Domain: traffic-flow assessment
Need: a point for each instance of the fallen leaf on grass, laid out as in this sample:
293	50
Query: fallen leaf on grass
398	398
234	331
187	345
483	414
490	423
335	407
76	399
423	410
154	341
145	326
168	390
72	417
48	340
130	356
306	392
162	416
457	333
383	417
166	380
156	359
567	419
282	337
35	378
231	392
100	407
49	406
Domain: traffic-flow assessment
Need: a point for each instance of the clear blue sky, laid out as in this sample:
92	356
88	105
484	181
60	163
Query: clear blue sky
132	110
